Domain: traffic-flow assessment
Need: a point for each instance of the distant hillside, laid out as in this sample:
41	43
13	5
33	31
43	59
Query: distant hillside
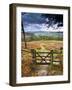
43	35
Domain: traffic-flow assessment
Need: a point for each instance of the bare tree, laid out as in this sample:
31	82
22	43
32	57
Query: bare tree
24	34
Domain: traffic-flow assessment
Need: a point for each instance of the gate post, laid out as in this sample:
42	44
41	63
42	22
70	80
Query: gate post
51	58
33	55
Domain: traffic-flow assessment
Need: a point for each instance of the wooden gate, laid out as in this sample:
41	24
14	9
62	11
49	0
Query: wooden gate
45	57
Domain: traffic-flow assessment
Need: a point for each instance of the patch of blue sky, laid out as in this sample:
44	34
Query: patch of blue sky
33	22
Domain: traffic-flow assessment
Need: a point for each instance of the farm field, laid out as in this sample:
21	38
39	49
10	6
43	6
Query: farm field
49	44
31	69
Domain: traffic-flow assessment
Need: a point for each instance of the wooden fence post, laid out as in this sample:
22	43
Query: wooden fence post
61	51
33	55
51	58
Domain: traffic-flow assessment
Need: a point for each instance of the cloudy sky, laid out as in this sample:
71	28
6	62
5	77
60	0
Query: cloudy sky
42	22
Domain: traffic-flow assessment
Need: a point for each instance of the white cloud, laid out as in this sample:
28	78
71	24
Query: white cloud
42	27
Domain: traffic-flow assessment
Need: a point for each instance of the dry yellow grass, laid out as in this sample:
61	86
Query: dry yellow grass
49	45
